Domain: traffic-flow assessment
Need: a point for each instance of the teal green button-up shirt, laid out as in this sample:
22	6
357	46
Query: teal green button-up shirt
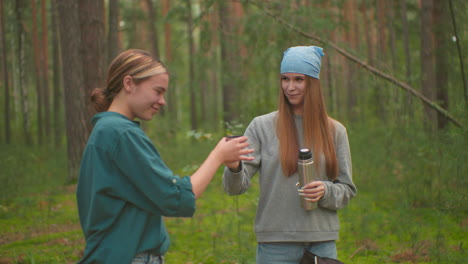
124	189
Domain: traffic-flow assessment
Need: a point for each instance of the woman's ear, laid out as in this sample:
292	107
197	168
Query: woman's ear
128	83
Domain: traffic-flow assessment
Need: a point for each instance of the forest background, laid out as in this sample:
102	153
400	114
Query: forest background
393	74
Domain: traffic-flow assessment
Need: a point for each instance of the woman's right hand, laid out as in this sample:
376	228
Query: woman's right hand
228	151
233	166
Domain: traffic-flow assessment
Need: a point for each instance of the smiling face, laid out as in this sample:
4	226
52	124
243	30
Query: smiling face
145	98
294	88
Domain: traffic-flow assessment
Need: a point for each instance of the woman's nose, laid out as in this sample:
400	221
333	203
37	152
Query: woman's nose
290	86
162	101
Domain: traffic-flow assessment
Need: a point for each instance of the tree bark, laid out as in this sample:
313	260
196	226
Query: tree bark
391	6
367	33
167	31
76	115
6	81
332	64
209	71
328	68
427	61
204	41
406	45
113	34
39	75
394	96
57	78
229	59
153	32
380	96
20	5
152	28
45	71
381	31
171	97
191	83
350	16
91	18
441	46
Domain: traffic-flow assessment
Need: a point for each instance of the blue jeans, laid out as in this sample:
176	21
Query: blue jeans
291	252
147	258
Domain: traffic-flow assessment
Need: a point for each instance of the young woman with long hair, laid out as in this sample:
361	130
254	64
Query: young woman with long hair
283	228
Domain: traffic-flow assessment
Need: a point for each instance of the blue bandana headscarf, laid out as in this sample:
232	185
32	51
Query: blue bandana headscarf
302	59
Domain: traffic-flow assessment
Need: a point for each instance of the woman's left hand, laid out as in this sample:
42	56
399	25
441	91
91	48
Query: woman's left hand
313	191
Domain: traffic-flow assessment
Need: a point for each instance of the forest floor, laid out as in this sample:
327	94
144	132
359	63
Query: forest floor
44	228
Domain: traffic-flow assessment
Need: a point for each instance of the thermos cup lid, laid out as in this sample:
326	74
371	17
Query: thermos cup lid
305	154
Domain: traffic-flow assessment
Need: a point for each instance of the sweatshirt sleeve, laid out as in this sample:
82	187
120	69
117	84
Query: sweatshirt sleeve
339	192
151	185
236	183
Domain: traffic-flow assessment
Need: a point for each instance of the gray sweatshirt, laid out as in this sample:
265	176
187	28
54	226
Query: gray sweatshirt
280	217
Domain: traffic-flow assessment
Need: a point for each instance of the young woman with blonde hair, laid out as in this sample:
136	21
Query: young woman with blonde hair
283	228
124	187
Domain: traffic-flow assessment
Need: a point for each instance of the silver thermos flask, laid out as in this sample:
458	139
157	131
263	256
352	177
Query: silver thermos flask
306	171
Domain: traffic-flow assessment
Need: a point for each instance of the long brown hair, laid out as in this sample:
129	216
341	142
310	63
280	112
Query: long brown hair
318	130
138	64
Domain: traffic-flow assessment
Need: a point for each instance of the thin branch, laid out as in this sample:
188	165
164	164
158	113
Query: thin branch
460	56
366	66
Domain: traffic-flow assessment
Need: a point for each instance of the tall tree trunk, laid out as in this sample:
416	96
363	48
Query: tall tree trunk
191	84
171	97
153	32
382	31
20	6
45	71
213	72
327	69
381	95
39	75
166	6
204	41
113	34
427	61
394	95
229	59
6	81
391	6
332	64
133	28
152	28
441	46
91	17
367	33
57	78
406	44
208	72
350	16
76	115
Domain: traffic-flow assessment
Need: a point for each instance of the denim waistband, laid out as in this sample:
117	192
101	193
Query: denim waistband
148	258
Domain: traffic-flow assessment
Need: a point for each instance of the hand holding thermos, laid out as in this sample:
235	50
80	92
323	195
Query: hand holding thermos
311	189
